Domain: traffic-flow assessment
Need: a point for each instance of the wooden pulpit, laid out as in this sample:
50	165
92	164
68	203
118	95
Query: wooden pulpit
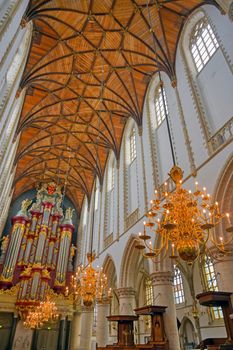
222	299
125	332
158	338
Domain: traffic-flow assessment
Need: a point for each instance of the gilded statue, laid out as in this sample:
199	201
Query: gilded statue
37	206
57	208
72	251
5	241
25	204
69	214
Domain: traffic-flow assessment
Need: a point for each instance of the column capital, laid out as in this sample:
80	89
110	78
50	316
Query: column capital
140	130
86	309
63	316
225	6
162	277
118	163
126	292
103	302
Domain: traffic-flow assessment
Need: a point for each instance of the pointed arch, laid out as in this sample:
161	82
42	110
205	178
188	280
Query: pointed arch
109	268
130	263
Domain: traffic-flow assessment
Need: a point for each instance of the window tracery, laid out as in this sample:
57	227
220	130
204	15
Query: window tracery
97	193
112	179
149	291
211	284
178	287
132	140
203	43
160	109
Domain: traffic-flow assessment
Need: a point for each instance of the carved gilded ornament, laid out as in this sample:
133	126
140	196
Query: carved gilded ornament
46	274
66	234
6	279
12	291
18	226
27	272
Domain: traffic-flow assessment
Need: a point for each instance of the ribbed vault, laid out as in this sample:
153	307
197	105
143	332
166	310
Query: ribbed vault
88	70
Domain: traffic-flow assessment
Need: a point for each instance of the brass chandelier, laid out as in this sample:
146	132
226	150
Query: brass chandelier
184	223
88	284
45	312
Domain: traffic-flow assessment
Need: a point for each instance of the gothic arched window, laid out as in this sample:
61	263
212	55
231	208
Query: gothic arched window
178	288
211	284
160	106
112	175
149	291
203	43
132	144
97	194
110	193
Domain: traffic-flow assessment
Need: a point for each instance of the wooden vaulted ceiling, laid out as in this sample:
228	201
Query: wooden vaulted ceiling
88	70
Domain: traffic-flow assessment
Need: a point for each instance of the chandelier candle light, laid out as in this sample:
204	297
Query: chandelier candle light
185	223
36	255
89	284
45	312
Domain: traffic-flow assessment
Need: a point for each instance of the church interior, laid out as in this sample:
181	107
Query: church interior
116	174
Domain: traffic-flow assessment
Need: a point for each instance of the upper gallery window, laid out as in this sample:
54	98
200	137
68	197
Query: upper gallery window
132	140
203	43
178	287
160	105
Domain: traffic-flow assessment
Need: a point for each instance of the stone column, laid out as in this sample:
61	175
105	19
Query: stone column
126	300
12	334
75	331
62	334
86	328
163	293
224	272
67	334
102	323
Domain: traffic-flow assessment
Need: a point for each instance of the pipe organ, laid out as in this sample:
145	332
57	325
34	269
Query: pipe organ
37	254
